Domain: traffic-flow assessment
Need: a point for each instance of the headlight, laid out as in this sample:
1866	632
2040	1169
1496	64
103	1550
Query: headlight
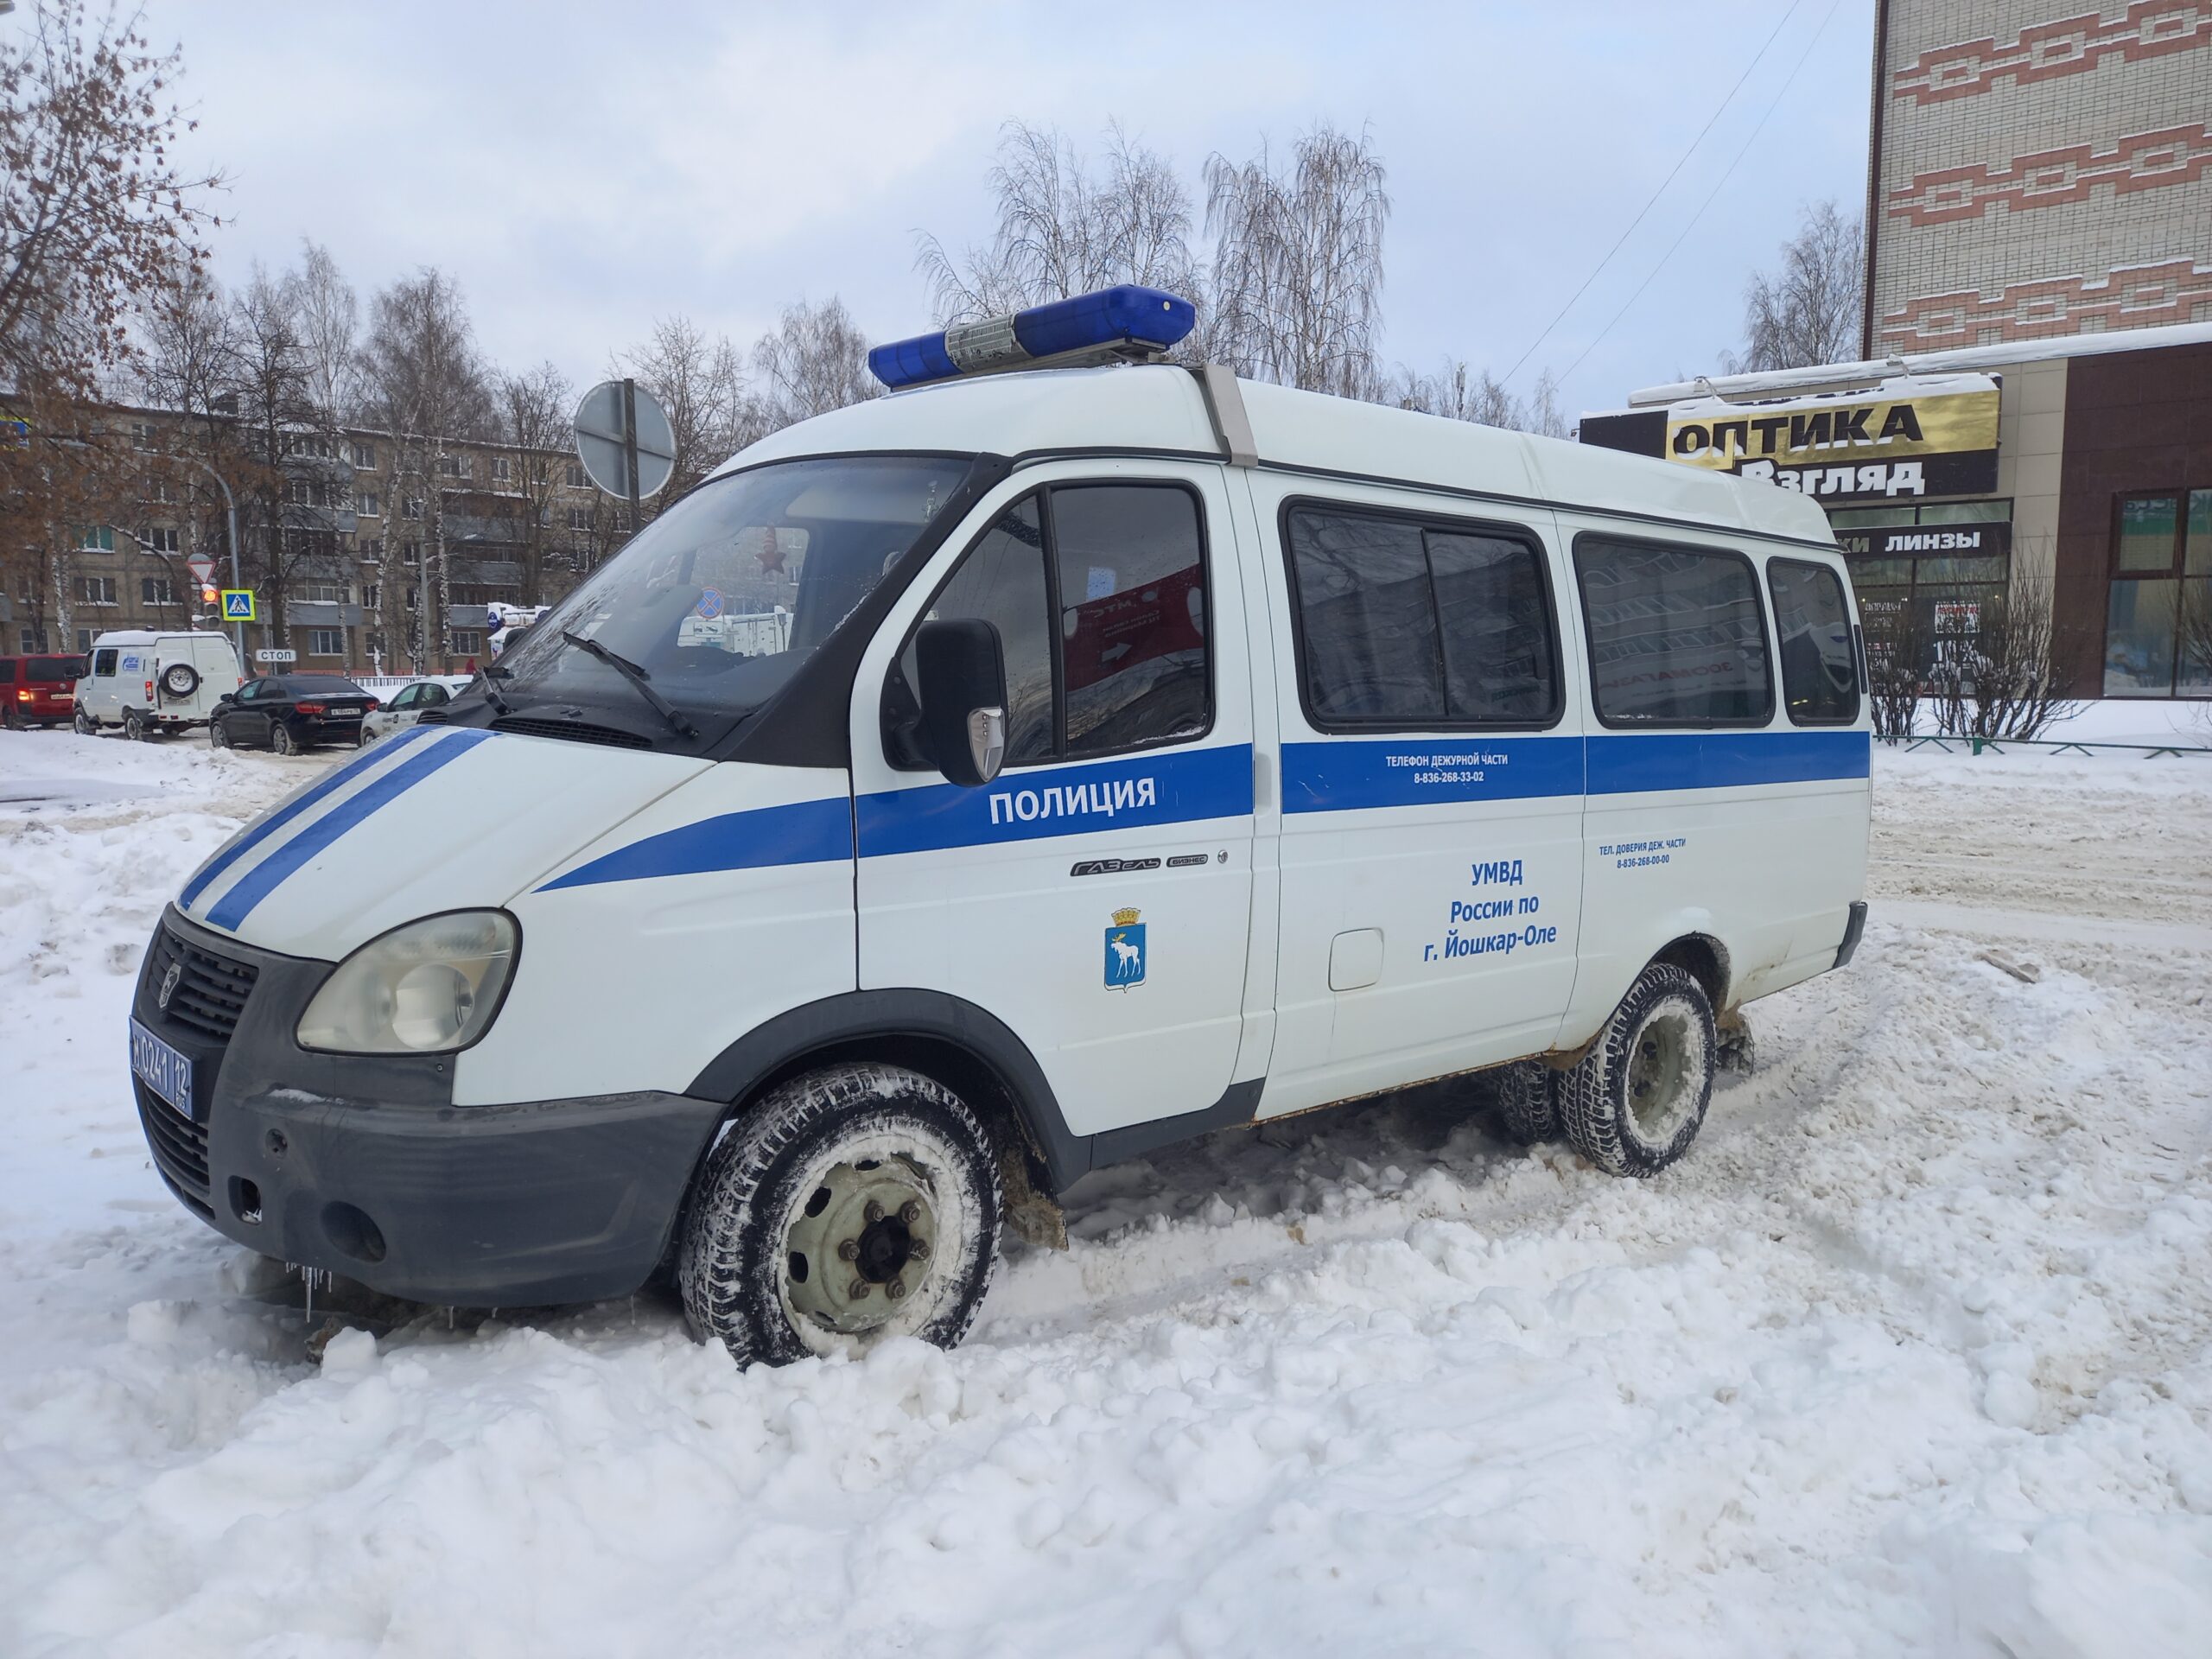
426	987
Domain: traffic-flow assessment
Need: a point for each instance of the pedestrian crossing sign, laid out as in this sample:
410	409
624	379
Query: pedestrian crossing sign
237	605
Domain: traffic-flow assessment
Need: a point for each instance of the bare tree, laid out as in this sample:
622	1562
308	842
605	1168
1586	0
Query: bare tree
425	385
813	361
701	385
534	415
2002	680
1808	309
327	315
1896	665
1297	275
1461	393
1066	229
95	220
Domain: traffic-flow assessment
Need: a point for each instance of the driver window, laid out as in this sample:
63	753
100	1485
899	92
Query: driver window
407	697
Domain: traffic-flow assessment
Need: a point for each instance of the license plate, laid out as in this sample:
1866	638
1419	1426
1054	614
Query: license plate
167	1073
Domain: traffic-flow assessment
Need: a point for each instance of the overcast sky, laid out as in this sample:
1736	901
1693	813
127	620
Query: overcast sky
584	168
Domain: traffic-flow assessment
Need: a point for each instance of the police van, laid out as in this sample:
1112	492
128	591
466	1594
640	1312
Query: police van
1102	756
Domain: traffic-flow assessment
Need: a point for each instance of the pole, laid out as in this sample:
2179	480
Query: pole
630	447
231	515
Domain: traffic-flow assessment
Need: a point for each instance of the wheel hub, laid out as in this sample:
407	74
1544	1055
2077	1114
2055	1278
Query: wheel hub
862	1240
1658	1077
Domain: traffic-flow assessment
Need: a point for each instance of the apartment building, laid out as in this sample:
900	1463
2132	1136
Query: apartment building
357	509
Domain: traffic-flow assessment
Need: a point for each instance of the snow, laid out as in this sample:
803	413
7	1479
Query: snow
1913	1355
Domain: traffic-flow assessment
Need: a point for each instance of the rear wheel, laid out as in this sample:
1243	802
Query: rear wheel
1634	1103
849	1205
85	724
1528	1102
281	738
135	728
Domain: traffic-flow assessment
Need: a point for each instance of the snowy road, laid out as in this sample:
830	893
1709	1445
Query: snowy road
1914	1353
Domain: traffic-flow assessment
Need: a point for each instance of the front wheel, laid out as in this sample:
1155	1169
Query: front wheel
218	737
280	739
1636	1101
849	1205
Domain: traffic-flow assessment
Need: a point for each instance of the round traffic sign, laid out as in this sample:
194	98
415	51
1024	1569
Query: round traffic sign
602	434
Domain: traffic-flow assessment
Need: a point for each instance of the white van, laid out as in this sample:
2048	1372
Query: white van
1147	753
147	682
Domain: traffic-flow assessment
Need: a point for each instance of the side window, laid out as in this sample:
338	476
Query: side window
1820	671
1001	580
1676	634
1133	615
103	661
408	697
435	697
1406	624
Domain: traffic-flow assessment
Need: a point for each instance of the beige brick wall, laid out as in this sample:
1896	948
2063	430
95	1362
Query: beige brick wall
2044	168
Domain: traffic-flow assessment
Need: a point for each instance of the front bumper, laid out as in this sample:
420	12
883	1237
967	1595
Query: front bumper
362	1165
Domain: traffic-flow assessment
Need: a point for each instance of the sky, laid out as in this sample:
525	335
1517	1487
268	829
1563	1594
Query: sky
583	169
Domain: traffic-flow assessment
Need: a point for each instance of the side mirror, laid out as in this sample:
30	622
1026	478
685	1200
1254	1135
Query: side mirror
228	697
963	690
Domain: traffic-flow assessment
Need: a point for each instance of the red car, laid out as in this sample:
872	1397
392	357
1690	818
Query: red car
38	690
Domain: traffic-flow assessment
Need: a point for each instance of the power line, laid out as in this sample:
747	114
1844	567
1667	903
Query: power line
1718	113
1717	189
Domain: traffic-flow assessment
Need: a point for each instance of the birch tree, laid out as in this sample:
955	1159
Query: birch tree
1810	307
813	361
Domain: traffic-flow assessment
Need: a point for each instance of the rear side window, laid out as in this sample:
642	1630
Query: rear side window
7	670
1098	592
50	670
103	661
1820	671
1403	623
1676	636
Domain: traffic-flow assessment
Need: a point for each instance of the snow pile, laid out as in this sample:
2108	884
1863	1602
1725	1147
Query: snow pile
1913	1355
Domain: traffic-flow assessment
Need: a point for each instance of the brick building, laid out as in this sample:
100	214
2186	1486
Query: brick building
2039	306
517	526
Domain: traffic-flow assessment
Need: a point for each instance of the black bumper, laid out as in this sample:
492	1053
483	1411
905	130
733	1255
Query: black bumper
364	1167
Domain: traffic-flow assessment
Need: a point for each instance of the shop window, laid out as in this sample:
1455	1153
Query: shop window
2158	618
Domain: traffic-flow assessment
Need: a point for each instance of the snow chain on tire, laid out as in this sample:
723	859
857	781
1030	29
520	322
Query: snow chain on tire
1634	1103
796	1241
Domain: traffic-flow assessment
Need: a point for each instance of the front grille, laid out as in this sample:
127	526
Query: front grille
210	993
180	1148
574	731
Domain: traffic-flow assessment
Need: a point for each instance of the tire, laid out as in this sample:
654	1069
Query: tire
1636	1100
1528	1102
180	680
83	724
219	736
10	720
281	738
759	1226
135	729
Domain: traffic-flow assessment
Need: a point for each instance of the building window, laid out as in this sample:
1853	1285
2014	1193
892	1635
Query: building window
157	489
142	435
451	466
297	492
96	590
371	595
503	470
100	538
31	639
161	539
411	508
468	641
325	593
326	642
2158	619
579	517
156	590
364	456
366	505
574	478
85	637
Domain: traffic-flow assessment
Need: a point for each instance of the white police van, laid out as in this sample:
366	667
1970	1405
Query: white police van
1140	752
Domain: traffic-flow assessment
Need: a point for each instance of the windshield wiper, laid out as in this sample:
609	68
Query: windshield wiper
636	677
489	673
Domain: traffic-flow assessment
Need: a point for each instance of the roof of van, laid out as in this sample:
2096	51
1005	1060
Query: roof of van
150	636
1162	408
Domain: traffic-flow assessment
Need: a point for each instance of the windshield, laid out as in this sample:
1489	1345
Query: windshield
721	598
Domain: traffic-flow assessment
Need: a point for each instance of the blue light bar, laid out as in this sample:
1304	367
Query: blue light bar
1124	321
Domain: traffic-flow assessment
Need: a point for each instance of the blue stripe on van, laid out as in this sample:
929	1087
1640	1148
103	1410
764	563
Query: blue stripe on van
1631	764
337	779
806	832
1183	787
1344	776
264	878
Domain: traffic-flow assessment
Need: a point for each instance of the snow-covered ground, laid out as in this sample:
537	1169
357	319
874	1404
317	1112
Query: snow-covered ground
1913	1355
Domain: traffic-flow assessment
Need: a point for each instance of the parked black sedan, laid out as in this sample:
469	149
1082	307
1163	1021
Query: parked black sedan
290	712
